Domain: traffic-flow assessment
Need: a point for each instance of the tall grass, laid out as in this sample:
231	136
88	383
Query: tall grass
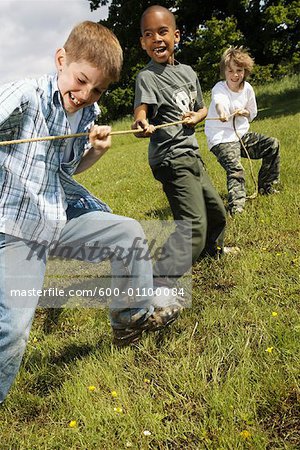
226	375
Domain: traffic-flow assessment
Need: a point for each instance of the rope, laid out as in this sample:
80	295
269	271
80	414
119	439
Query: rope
76	135
255	193
137	130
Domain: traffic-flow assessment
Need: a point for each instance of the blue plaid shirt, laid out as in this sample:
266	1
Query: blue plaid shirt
36	186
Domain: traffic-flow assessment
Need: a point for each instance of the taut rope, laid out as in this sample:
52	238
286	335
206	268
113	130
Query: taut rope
76	135
137	130
255	193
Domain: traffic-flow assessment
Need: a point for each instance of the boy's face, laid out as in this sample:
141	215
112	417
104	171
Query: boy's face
159	36
80	84
234	76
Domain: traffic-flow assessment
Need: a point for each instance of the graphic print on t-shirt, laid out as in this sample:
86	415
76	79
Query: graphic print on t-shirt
184	101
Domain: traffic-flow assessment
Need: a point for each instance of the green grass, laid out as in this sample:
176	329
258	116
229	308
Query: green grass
209	378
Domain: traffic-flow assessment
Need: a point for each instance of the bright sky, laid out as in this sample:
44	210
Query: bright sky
31	31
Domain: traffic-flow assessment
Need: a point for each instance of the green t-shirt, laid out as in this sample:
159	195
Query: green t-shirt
169	91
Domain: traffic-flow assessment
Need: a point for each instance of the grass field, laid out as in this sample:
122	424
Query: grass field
227	374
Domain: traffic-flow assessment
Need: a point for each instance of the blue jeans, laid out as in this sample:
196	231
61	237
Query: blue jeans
99	236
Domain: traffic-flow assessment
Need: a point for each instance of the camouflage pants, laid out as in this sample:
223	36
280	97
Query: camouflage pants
229	155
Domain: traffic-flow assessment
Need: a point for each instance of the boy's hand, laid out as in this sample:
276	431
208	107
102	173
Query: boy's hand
242	112
99	138
145	126
223	117
191	118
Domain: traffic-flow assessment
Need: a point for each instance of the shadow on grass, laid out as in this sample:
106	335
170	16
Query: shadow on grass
276	105
51	373
160	213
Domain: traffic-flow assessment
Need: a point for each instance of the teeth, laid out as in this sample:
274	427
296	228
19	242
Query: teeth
159	50
77	102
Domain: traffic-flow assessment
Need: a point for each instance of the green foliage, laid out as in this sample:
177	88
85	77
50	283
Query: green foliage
270	29
281	30
262	74
208	45
118	101
226	374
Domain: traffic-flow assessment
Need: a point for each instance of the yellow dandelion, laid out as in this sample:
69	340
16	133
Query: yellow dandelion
278	254
245	434
73	424
264	249
118	409
269	349
92	388
114	394
34	340
274	314
146	380
128	444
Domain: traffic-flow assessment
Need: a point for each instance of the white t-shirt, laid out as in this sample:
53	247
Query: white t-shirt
218	132
74	120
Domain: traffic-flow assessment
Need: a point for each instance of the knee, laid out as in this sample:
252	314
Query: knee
132	231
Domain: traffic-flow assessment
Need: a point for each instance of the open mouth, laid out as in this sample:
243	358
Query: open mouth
159	50
74	99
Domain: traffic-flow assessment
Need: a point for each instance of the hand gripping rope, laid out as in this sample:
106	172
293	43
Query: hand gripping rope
76	135
137	130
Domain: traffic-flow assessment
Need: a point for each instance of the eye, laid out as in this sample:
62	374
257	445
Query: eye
80	81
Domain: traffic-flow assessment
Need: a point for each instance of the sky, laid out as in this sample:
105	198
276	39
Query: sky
32	30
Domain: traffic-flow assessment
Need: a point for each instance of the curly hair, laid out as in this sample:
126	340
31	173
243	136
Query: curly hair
240	57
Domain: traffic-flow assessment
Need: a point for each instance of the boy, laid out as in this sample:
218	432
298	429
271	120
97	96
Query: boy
43	210
236	96
167	91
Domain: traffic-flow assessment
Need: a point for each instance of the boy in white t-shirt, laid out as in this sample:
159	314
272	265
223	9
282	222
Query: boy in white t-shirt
233	101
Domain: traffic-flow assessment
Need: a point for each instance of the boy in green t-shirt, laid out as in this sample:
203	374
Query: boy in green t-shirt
167	91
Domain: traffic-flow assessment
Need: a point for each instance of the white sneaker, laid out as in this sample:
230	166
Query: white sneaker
231	250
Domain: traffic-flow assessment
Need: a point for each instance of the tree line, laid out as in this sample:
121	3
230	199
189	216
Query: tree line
269	29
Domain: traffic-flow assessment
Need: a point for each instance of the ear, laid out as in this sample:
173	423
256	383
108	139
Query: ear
142	43
60	58
177	36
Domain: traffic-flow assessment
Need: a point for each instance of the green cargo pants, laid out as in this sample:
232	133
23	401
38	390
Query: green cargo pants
198	211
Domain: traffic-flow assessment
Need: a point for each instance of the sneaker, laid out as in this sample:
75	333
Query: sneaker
268	190
236	210
231	250
159	319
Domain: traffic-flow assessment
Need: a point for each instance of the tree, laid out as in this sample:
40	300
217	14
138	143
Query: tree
269	29
206	48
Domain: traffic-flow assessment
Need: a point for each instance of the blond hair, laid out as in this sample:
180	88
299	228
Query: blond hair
97	45
240	57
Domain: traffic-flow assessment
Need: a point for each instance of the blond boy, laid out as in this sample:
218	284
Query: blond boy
233	101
